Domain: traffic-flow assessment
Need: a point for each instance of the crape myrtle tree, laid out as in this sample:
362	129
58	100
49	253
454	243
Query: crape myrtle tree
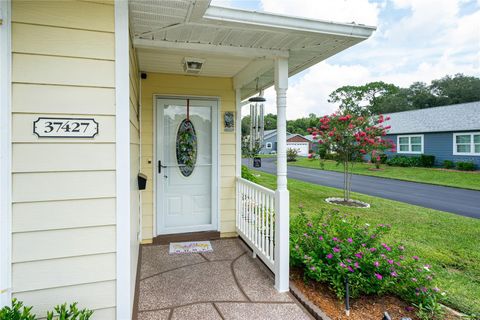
351	137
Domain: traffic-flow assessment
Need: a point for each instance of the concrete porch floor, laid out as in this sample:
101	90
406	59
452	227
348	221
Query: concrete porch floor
224	284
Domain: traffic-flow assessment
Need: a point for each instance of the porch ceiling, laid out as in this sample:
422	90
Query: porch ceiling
234	43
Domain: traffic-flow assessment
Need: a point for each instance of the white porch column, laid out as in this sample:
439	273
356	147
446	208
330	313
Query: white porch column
282	198
238	133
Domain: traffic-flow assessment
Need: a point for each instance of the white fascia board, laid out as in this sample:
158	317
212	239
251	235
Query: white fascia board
209	48
275	21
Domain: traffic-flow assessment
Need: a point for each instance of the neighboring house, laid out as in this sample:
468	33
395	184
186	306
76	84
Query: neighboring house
448	132
294	141
94	92
313	142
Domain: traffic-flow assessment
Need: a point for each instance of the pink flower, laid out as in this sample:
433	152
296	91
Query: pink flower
378	276
320	238
310	156
350	240
376	263
312	268
414	279
336	249
415	258
390	261
342	265
394	274
373	249
329	256
350	269
356	265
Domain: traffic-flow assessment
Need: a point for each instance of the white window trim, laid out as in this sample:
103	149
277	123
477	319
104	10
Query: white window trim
409	143
268	145
472	144
5	155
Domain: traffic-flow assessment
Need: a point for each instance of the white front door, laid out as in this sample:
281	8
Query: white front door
187	165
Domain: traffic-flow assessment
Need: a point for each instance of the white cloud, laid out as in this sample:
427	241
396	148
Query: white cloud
429	40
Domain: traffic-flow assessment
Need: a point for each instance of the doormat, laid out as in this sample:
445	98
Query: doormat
190	247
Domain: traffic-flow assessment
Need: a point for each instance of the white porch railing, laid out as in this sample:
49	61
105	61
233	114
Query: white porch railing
256	219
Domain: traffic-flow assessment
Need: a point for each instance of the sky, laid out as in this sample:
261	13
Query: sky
415	40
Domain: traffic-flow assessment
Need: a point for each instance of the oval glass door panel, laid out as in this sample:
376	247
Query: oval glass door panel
186	147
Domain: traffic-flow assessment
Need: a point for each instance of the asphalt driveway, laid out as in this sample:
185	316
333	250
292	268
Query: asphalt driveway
459	201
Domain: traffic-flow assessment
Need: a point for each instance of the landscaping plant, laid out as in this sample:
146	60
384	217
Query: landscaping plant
448	164
466	166
16	312
62	312
328	247
351	137
292	154
248	174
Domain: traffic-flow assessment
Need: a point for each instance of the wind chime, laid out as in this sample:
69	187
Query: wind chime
257	125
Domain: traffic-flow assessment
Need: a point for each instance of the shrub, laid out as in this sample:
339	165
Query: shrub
17	312
466	166
404	161
330	247
62	312
248	175
447	164
427	161
292	154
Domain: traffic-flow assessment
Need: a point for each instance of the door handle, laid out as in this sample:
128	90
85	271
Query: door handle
160	166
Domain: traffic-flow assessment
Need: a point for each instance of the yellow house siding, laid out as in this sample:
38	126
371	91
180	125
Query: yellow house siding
169	84
63	217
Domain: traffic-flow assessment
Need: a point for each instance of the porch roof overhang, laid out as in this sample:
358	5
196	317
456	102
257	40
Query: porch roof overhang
234	43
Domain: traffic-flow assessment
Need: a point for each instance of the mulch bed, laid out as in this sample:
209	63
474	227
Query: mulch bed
364	308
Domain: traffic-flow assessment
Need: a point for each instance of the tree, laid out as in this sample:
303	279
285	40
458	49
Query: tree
456	89
351	137
362	100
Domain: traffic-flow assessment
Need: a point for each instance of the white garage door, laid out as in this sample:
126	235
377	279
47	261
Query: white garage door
302	147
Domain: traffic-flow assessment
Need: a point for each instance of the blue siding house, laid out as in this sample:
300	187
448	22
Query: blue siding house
448	132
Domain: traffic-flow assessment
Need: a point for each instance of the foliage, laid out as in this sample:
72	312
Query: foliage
427	161
331	247
350	137
466	166
186	147
16	312
380	97
448	241
248	174
448	164
352	99
292	154
404	161
62	312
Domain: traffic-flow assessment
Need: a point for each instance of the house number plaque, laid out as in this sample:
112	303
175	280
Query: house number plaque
65	127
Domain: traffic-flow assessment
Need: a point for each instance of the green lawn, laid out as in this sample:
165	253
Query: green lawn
450	243
467	180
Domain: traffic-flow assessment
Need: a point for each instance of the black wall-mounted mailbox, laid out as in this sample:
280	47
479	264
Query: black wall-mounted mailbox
142	181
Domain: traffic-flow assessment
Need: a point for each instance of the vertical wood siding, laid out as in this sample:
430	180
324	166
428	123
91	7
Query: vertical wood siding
64	190
169	84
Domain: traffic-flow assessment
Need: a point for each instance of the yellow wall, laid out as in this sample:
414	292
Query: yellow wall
169	84
63	189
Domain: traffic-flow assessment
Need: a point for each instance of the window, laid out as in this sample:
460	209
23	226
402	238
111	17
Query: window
410	144
268	145
466	143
